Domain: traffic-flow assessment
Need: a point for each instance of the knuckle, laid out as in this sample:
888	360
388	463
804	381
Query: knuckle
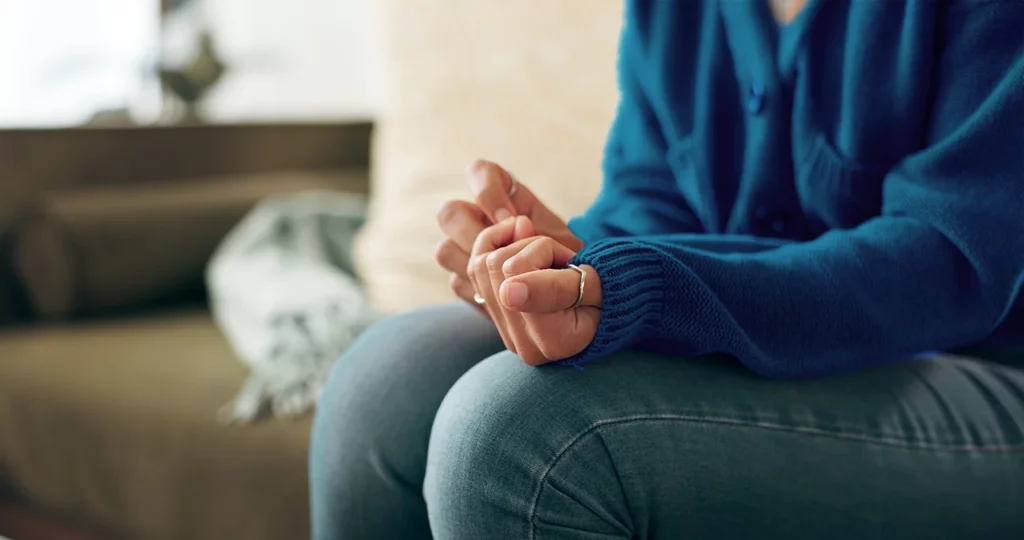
494	262
449	211
517	265
478	266
478	248
484	239
443	250
510	267
458	287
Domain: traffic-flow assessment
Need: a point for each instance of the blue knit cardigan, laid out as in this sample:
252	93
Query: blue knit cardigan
843	191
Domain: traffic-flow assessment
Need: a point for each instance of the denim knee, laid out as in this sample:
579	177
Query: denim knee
369	449
348	418
500	429
355	452
386	388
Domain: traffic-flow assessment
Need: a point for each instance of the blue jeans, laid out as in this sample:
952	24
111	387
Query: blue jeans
428	427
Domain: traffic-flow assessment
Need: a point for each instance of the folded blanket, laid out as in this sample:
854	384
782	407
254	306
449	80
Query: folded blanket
283	292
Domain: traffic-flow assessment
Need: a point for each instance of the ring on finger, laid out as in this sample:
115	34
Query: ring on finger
583	283
479	299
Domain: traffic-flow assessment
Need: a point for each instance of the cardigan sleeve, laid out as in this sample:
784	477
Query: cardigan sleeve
941	266
638	193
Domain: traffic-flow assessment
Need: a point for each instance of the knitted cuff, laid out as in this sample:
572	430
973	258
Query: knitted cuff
631	294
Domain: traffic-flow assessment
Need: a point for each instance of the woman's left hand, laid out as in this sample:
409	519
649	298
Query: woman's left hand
529	293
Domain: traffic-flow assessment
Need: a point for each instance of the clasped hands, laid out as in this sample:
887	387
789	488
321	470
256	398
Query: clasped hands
511	251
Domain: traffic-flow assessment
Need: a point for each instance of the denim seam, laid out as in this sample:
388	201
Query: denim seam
839	428
999	448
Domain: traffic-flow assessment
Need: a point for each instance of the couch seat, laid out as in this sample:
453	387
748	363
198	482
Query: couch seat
113	423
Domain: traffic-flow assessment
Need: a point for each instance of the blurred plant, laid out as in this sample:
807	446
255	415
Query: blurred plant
189	83
171	5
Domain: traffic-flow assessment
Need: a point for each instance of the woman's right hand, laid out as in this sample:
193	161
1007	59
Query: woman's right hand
463	221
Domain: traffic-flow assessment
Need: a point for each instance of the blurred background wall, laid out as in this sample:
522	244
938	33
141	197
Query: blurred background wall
63	62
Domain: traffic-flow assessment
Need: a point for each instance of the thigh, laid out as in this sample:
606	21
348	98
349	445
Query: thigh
646	446
368	452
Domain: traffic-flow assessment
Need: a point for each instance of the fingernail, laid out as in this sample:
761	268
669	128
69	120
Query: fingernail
502	214
516	294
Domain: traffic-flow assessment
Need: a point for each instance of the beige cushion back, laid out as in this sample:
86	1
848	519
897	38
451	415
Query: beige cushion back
529	84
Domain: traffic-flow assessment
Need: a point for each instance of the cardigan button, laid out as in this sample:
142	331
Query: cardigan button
755	101
769	221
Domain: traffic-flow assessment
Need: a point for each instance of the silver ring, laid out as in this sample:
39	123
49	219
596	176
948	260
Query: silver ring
479	299
583	283
515	186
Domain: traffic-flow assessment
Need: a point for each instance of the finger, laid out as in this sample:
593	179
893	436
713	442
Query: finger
490	184
523	201
491	239
462	221
523	229
501	234
542	338
513	250
452	257
463	288
545	221
479	276
515	326
549	291
540	255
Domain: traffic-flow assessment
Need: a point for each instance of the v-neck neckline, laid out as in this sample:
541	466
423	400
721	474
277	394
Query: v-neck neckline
773	9
765	46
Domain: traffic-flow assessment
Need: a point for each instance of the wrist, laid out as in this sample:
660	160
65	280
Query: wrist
632	291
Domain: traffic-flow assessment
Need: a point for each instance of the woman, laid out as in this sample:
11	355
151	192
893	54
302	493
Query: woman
784	198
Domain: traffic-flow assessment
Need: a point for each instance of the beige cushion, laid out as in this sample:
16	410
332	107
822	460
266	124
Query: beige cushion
529	84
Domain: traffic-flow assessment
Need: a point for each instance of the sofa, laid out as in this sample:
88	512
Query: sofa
111	369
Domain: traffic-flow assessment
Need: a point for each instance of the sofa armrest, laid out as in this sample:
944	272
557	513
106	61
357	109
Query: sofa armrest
35	160
13	304
34	163
91	251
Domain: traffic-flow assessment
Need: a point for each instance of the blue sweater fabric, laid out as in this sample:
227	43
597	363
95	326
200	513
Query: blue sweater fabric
843	191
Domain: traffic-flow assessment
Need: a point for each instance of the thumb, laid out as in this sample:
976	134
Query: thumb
549	291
